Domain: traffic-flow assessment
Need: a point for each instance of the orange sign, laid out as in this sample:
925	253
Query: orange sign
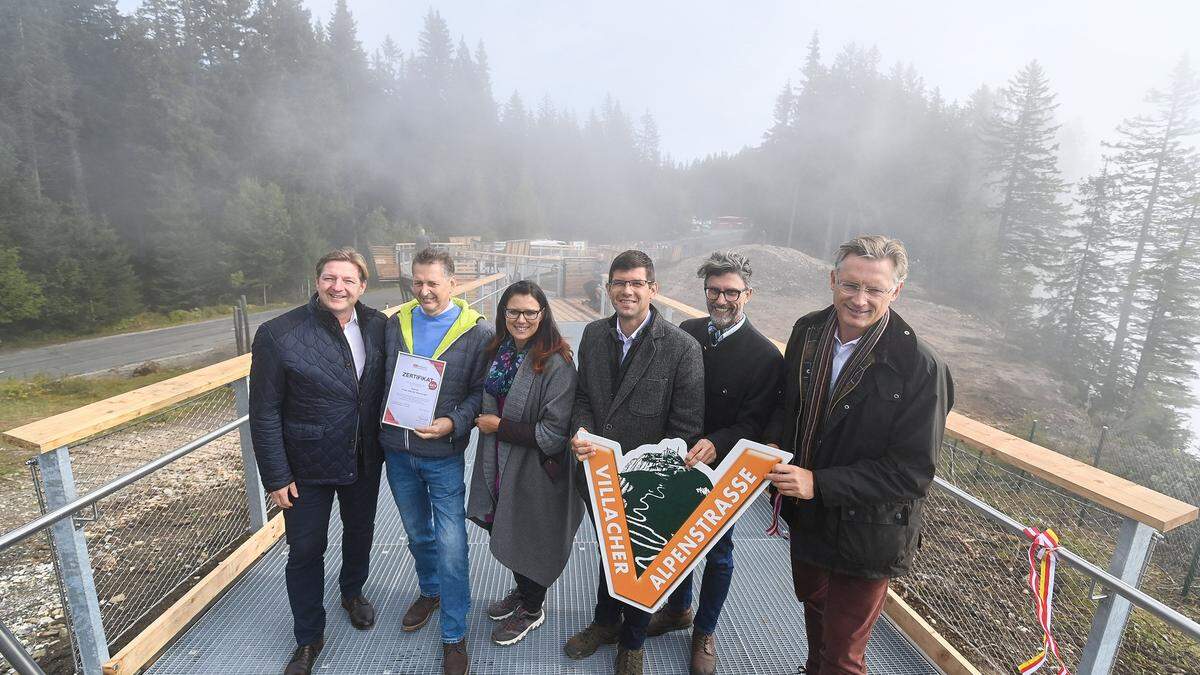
656	519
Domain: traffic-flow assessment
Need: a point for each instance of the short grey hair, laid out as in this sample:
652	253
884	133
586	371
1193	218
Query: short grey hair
726	262
876	247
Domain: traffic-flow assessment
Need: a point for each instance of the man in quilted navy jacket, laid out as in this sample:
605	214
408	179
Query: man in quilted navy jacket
315	385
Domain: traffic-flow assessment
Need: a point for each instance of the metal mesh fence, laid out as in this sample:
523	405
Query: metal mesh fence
31	605
970	575
153	539
1166	468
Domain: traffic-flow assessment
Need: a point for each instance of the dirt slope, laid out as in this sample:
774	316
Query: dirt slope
993	383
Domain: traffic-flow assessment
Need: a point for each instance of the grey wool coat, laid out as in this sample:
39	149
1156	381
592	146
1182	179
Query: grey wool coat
535	516
662	392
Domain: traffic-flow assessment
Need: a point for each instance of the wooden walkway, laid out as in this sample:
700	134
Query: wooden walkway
572	309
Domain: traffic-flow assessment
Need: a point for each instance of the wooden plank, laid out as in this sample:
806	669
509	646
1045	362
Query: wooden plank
74	425
920	633
148	644
686	310
1125	497
1121	496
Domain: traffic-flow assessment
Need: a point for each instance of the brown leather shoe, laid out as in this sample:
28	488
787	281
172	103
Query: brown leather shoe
418	615
454	658
585	643
666	620
362	613
629	661
304	657
704	654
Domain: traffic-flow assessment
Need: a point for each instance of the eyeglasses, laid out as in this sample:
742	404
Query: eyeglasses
731	294
529	314
851	289
636	284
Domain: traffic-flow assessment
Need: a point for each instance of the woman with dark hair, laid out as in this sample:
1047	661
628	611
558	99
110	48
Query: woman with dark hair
521	486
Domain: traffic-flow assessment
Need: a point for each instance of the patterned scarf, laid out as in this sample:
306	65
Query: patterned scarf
817	406
504	368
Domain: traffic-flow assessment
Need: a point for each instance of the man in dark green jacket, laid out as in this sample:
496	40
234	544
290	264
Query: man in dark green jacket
864	409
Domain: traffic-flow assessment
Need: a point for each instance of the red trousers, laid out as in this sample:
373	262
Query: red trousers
839	611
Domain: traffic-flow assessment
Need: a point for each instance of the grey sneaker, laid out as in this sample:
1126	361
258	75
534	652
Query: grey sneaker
513	629
504	607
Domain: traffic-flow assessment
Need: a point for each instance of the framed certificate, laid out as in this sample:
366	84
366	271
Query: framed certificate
413	394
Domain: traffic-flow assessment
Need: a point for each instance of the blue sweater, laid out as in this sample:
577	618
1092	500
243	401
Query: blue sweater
428	331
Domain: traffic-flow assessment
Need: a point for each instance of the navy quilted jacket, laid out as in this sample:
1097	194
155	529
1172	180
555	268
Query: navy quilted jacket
310	417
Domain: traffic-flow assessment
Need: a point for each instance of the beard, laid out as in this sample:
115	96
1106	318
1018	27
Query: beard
722	317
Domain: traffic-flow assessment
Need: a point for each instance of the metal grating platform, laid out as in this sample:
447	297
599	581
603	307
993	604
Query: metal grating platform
761	629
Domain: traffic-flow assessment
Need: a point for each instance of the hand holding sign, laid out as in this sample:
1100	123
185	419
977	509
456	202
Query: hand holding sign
792	481
657	518
583	448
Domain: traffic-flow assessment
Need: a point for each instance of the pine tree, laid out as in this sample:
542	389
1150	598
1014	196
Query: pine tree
1171	324
1023	161
648	140
1079	289
1154	165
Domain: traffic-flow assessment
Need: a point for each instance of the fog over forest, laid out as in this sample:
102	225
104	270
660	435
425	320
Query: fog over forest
1040	163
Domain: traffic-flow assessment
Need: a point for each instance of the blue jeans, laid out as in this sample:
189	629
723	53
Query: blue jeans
431	497
718	572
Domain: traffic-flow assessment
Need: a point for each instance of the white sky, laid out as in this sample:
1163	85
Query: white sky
709	71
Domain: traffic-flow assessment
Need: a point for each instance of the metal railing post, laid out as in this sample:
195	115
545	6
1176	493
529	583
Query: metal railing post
1128	561
256	497
14	652
70	546
560	286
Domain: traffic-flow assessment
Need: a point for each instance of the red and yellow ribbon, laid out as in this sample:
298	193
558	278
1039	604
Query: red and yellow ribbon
1043	559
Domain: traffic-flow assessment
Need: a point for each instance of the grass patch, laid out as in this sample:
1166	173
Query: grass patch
25	401
133	324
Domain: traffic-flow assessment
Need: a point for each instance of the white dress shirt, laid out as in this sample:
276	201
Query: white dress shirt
841	354
357	349
627	341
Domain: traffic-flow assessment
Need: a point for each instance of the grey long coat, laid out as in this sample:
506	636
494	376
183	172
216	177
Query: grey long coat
536	517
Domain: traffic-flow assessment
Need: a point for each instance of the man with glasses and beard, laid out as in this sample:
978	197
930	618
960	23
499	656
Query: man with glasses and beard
741	389
864	407
641	379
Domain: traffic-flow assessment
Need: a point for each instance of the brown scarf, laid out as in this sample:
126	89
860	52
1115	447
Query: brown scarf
816	407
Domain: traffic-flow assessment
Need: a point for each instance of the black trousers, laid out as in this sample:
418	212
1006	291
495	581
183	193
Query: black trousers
533	594
609	610
307	537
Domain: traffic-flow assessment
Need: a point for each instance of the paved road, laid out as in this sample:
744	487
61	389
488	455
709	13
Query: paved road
95	355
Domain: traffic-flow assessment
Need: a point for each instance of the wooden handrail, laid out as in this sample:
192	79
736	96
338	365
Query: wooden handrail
1117	494
96	418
